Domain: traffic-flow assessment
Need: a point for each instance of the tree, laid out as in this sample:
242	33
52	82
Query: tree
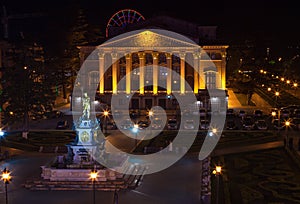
80	34
27	89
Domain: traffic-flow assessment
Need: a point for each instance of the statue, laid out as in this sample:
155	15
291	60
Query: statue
86	106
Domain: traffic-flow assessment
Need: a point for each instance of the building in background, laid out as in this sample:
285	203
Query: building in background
200	47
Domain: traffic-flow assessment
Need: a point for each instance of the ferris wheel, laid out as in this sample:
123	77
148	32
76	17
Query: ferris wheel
123	18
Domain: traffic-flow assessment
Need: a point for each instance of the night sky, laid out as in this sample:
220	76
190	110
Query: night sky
275	21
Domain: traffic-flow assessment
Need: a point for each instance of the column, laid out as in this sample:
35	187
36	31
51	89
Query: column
196	75
169	76
101	56
182	73
223	70
201	74
142	71
128	74
115	63
155	72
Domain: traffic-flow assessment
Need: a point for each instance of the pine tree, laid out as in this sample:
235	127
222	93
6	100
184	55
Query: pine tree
81	34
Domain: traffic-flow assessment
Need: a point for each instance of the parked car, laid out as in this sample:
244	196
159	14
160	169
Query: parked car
62	125
261	125
204	124
296	123
143	124
157	123
172	124
230	112
127	124
278	125
296	113
202	112
285	113
247	123
230	125
53	114
241	113
189	124
111	125
258	113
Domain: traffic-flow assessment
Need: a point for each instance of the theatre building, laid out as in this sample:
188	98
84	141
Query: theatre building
159	57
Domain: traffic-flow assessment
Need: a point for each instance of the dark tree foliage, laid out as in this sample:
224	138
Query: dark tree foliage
27	90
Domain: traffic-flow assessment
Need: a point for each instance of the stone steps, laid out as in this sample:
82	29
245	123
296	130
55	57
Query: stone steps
110	185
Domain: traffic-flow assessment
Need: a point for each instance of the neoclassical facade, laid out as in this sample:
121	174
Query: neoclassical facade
157	63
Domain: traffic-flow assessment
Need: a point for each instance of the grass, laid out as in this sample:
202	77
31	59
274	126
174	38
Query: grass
37	139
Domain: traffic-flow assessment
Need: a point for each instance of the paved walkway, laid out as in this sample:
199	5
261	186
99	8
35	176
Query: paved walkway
233	102
259	102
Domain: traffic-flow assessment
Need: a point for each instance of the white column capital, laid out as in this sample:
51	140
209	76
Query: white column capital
168	55
182	55
155	55
114	55
196	55
101	54
141	55
128	55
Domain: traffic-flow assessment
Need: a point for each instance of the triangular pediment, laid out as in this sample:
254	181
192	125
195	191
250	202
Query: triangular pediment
150	38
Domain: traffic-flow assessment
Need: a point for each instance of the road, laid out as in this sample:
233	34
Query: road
178	184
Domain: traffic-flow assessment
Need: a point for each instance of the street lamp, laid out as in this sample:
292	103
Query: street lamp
287	125
135	130
276	96
217	171
295	85
93	177
106	115
6	178
150	114
116	197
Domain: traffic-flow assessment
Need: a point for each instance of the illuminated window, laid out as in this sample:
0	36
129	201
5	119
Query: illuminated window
210	80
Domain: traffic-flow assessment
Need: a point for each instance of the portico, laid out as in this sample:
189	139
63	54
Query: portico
148	58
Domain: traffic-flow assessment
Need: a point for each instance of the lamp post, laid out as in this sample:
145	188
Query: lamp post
276	96
105	114
6	177
295	85
217	171
287	124
150	114
116	197
93	177
135	130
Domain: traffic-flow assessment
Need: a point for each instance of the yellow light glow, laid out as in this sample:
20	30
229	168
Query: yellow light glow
273	113
261	71
105	113
269	89
214	130
295	84
265	72
282	79
218	169
150	113
276	93
214	171
93	175
288	81
6	177
287	123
